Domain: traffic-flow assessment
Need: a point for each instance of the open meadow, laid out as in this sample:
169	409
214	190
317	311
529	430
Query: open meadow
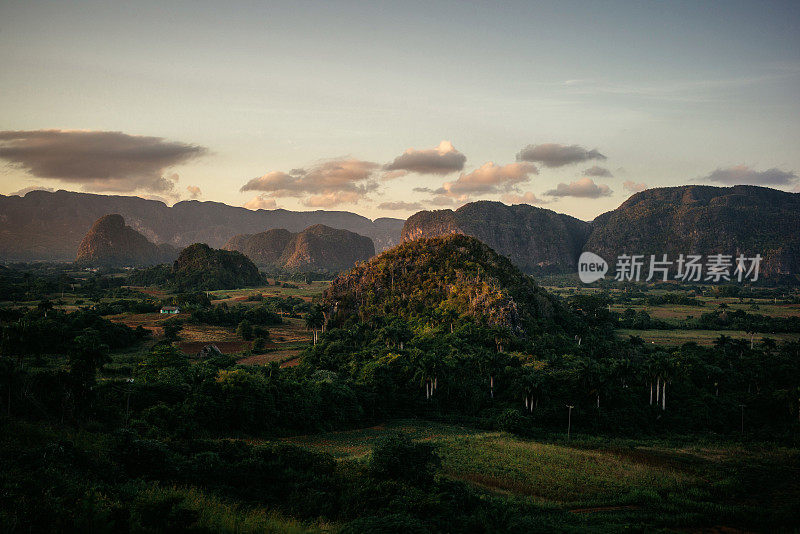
595	483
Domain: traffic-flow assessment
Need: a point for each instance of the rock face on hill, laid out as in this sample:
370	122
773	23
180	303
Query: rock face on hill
535	239
318	247
111	243
50	225
445	277
705	220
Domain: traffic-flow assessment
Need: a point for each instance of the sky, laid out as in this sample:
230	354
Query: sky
387	108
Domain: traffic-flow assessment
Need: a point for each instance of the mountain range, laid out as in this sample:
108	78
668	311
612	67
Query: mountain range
316	247
533	238
690	219
49	226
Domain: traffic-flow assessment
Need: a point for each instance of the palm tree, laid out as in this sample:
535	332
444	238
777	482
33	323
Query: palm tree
315	320
426	368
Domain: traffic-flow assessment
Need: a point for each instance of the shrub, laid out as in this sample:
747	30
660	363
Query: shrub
396	456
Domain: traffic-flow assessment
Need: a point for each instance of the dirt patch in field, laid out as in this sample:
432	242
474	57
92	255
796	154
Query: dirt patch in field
153	292
208	333
148	321
604	509
226	347
294	362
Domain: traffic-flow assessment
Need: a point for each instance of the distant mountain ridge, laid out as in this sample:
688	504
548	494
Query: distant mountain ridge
317	247
533	238
49	226
699	219
691	219
111	243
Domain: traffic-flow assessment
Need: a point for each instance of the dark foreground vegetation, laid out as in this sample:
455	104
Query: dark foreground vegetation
442	330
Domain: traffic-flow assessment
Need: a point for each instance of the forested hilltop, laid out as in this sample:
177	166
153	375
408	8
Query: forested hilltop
201	268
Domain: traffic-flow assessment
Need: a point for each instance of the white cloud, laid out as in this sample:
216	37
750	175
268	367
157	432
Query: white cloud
555	155
581	188
261	202
441	160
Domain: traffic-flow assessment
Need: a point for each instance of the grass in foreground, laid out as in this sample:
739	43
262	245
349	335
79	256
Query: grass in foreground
683	481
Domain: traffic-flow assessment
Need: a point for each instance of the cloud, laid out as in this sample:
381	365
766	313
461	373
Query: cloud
555	155
441	160
598	171
261	202
441	200
98	160
329	200
582	188
525	198
400	205
337	181
633	187
194	191
489	178
391	175
742	174
25	190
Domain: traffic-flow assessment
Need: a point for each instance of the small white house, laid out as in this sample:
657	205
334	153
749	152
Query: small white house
170	309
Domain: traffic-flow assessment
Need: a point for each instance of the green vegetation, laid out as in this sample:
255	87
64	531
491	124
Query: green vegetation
201	268
433	391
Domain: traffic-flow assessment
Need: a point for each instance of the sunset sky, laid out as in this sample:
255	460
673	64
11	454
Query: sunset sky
386	108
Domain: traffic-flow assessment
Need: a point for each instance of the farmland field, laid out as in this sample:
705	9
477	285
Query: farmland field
303	290
702	337
622	478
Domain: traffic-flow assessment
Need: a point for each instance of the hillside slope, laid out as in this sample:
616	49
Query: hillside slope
439	277
323	247
111	243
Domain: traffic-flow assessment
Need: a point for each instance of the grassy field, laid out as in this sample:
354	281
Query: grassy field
594	482
305	291
706	338
680	312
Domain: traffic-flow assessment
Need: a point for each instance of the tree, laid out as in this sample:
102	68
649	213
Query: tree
396	456
315	320
87	354
172	328
245	330
259	344
44	306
